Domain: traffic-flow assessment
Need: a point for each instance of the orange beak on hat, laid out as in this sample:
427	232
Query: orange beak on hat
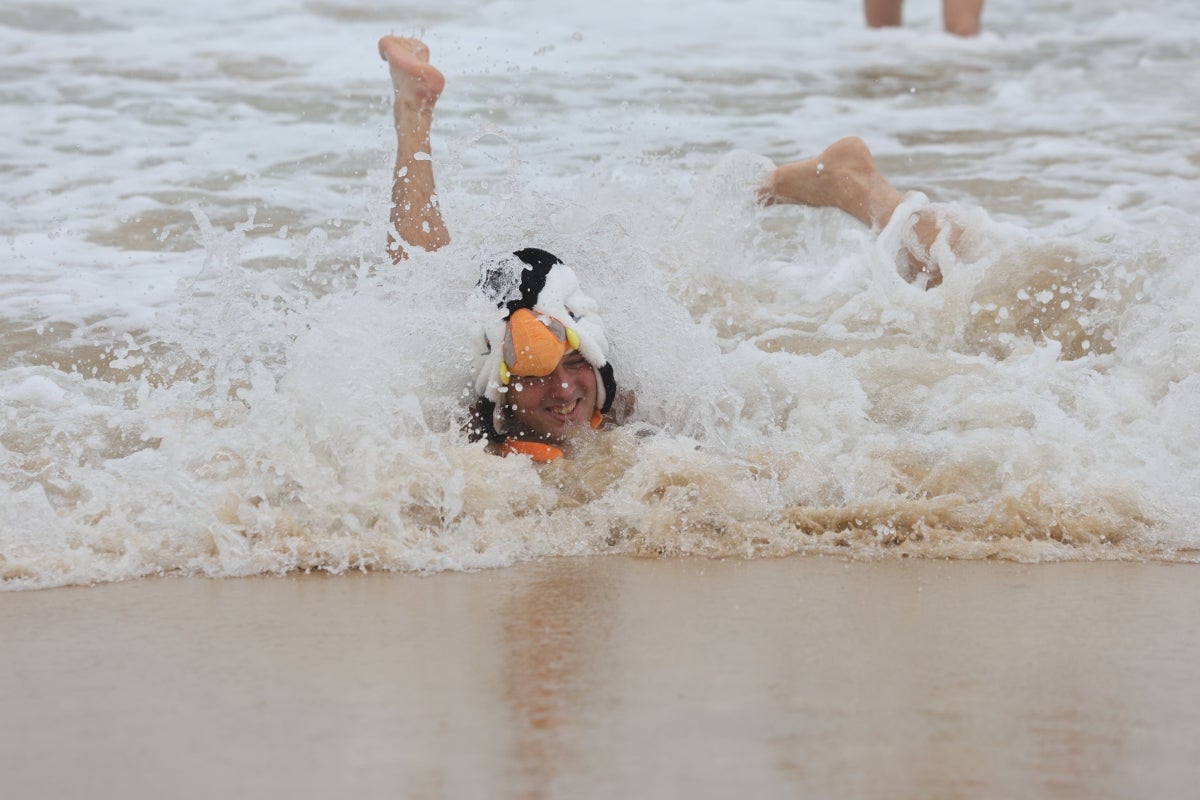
534	344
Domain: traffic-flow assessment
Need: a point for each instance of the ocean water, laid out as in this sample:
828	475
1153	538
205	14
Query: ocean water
208	366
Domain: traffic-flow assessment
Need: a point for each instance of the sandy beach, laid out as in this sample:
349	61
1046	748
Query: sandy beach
605	677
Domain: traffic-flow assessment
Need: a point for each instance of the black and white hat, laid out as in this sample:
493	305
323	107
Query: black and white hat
541	282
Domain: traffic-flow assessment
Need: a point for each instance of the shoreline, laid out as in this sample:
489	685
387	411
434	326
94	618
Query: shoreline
588	677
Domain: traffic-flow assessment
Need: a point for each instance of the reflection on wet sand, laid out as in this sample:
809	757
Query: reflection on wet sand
555	631
610	677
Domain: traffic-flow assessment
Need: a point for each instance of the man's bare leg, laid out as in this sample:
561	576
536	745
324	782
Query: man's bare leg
844	177
416	218
962	16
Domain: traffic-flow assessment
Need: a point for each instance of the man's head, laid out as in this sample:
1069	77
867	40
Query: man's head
546	366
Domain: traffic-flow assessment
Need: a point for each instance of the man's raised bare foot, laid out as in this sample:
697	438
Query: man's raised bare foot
417	83
416	220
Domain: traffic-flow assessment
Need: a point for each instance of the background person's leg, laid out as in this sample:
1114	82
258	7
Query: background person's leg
962	16
883	13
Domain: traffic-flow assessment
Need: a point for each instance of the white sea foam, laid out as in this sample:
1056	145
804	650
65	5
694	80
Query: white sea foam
207	366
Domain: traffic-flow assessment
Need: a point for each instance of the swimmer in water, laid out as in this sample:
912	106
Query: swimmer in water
546	373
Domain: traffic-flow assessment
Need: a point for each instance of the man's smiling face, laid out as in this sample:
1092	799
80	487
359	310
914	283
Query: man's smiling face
548	407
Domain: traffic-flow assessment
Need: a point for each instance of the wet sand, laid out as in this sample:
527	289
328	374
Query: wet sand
610	677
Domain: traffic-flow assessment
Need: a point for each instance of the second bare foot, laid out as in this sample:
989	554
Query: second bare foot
843	176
